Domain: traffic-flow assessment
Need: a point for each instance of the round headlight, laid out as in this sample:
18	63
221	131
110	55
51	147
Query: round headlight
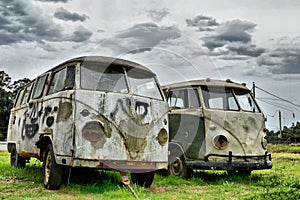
220	142
162	137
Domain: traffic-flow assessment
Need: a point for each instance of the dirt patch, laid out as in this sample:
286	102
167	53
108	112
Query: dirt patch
159	189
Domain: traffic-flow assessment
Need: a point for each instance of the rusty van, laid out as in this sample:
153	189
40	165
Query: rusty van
91	112
215	125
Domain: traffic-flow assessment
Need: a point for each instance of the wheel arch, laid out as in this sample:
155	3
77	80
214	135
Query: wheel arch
43	141
177	146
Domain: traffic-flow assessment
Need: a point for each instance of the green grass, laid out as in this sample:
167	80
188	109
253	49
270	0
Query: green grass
281	182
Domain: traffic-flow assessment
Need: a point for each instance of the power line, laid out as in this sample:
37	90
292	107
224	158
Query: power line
278	97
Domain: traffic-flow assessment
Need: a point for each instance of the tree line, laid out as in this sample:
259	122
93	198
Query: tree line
289	135
8	92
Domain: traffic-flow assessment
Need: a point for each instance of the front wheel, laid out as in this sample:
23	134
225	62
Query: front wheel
16	160
143	179
177	164
53	173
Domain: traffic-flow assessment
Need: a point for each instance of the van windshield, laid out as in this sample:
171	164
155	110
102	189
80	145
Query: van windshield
143	83
103	78
112	78
228	99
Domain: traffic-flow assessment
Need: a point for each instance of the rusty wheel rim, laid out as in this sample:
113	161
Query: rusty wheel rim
47	168
177	166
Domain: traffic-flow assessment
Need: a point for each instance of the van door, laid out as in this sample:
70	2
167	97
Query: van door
58	110
187	121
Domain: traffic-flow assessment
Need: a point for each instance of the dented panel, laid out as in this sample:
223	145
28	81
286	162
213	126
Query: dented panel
111	114
225	132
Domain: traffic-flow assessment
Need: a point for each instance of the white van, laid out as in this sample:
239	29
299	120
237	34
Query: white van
95	112
215	125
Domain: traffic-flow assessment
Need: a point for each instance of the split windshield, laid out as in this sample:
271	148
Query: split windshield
221	98
113	78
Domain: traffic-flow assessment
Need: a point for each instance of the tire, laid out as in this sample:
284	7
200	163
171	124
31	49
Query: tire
143	179
16	160
177	164
53	174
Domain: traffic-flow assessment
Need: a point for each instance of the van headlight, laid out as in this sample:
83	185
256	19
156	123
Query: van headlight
162	137
220	142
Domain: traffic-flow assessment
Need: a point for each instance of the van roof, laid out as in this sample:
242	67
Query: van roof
107	61
207	82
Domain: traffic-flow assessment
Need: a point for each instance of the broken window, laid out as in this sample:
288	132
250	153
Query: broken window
26	93
39	87
63	79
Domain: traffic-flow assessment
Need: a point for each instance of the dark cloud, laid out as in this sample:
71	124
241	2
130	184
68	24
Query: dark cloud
80	35
284	60
203	23
54	1
140	36
158	15
230	38
247	50
66	15
228	32
23	22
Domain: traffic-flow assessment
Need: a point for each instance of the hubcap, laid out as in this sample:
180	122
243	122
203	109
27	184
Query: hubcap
176	166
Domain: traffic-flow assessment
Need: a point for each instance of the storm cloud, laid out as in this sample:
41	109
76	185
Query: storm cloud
24	22
203	23
66	15
54	1
285	59
141	36
231	37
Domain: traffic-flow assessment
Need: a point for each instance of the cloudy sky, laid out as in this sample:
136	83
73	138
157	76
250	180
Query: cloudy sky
246	41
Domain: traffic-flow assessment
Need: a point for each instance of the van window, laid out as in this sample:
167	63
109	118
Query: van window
184	98
246	101
103	78
143	84
219	98
63	79
19	98
39	86
26	93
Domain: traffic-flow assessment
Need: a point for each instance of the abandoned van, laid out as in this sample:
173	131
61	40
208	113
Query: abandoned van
93	112
215	125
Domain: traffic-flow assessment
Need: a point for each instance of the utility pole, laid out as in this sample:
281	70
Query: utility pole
280	132
253	90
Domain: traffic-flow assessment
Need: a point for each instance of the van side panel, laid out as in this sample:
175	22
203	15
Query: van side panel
188	130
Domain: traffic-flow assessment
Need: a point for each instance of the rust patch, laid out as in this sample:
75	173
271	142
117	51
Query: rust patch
64	111
134	136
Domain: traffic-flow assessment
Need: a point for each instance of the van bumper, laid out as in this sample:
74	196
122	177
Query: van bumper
264	163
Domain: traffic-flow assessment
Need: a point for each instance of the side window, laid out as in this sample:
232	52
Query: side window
63	79
26	94
19	98
184	98
39	87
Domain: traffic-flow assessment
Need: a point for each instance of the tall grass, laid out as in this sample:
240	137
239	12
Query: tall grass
280	182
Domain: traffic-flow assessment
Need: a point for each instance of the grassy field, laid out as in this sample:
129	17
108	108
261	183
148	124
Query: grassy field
281	182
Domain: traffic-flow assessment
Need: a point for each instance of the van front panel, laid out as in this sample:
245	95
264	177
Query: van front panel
120	127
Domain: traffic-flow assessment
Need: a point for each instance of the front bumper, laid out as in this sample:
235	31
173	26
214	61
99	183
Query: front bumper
264	163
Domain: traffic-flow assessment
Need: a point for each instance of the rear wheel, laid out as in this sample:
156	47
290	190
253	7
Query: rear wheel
143	179
53	173
16	160
177	164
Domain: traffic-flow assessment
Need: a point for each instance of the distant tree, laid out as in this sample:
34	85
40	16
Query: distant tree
8	92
